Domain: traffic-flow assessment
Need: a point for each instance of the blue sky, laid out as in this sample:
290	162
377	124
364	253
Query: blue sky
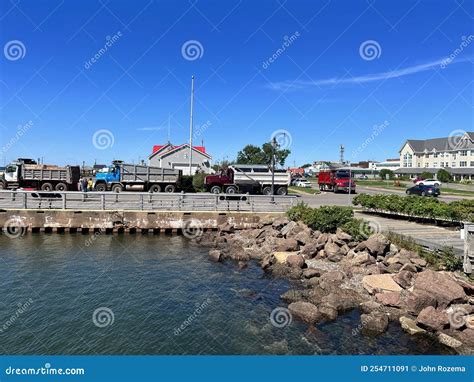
325	71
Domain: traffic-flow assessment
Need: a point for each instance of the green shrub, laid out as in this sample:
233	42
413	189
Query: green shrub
450	261
443	176
384	172
187	183
198	182
324	219
359	229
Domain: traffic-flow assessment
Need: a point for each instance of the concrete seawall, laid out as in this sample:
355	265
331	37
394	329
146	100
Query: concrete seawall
127	221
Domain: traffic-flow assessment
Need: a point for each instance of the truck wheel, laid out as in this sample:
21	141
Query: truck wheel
231	190
216	190
100	187
61	187
282	191
46	187
155	188
2	186
335	189
117	188
170	188
267	190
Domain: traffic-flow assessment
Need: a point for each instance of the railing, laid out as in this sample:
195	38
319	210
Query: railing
144	201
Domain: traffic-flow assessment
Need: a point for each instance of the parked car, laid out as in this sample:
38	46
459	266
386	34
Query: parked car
423	190
429	182
303	183
363	177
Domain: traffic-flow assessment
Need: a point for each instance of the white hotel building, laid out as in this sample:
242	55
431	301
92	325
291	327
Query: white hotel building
455	154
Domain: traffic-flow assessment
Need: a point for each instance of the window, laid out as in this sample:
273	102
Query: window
472	164
426	165
462	164
441	164
435	164
407	160
435	155
463	153
454	155
453	164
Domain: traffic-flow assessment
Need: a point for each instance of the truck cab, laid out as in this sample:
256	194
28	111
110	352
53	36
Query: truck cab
336	180
107	177
217	183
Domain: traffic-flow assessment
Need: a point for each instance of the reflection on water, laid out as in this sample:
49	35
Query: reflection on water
134	294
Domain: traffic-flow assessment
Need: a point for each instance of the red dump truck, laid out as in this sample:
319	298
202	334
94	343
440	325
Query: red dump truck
336	180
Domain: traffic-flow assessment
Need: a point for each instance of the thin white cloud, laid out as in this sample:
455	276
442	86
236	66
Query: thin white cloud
299	84
151	128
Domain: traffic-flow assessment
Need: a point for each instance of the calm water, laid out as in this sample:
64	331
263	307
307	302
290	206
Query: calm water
153	285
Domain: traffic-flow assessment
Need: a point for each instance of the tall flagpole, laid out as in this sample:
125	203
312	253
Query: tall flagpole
191	129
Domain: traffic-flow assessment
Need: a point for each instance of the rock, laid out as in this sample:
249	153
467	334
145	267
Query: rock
268	261
309	283
292	295
377	245
389	299
332	277
369	306
288	228
342	300
304	237
242	264
382	282
328	313
341	235
310	250
393	248
311	272
409	268
416	301
441	286
394	268
361	258
305	311
375	322
419	261
215	255
296	261
404	278
281	257
315	295
449	341
227	228
286	245
333	252
280	222
409	326
284	271
433	319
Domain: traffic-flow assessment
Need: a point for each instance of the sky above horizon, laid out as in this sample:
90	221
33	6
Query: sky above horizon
102	80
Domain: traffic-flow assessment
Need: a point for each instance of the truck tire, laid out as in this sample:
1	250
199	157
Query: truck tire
231	190
282	191
100	187
216	190
117	188
267	190
61	186
170	188
2	186
336	189
47	187
155	188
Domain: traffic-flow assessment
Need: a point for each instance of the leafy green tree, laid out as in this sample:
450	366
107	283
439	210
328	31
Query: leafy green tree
426	175
384	172
306	165
443	176
252	154
198	181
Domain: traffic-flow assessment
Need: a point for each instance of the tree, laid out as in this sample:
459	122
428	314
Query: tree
426	175
443	176
251	154
198	181
384	172
306	165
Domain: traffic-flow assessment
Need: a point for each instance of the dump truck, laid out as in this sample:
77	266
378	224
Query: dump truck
254	179
137	177
27	173
336	180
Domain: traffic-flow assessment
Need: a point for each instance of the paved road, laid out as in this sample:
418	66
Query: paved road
342	199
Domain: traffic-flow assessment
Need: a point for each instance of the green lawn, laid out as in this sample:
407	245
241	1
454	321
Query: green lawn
405	184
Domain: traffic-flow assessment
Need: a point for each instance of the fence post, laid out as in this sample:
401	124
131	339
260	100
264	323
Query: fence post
141	202
102	200
64	200
25	203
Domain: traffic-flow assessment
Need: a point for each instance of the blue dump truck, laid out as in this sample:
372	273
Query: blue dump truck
131	177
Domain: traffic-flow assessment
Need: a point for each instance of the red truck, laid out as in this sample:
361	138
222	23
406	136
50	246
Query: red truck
336	180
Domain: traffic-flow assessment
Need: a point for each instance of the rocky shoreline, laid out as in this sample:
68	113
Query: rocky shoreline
338	274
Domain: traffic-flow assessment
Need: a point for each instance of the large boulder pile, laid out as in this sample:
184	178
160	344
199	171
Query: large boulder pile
338	274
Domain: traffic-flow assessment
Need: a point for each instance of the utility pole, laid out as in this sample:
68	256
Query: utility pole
274	144
191	129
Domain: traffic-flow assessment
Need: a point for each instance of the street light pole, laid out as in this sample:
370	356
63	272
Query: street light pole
274	143
191	129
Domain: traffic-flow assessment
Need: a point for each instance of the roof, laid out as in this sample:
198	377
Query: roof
450	143
167	149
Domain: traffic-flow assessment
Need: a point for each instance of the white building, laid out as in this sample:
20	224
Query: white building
454	153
